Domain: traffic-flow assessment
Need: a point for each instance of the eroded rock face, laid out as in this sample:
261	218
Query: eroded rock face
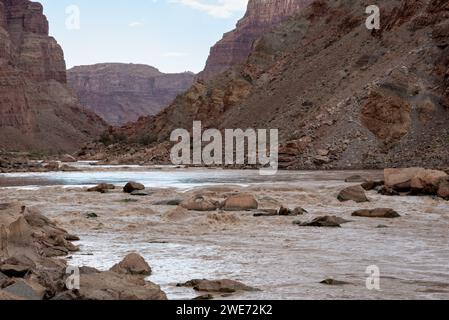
235	46
387	117
37	111
121	93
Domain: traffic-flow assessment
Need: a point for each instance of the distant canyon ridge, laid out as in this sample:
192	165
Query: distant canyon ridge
121	93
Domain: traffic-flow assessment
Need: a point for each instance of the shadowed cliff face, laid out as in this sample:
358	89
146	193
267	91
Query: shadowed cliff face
342	96
121	93
235	46
37	111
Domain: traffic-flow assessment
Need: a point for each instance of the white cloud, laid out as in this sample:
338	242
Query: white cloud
216	8
135	24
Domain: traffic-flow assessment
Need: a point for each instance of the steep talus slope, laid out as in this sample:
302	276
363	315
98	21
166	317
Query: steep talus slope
342	96
37	111
261	16
121	93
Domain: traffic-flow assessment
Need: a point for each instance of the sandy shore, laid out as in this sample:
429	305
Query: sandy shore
285	261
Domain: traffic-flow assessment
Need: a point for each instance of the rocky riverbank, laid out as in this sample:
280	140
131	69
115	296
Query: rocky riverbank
30	269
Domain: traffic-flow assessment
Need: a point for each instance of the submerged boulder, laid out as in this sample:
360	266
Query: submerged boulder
133	186
355	193
241	202
102	188
376	213
371	185
325	221
333	282
221	286
199	203
133	264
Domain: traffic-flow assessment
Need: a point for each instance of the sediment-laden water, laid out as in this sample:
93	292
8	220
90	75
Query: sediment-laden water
285	261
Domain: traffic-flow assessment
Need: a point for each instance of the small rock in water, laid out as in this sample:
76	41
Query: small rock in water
133	264
382	226
171	202
355	193
376	213
129	200
265	213
222	286
371	185
133	186
284	211
333	282
387	191
140	193
291	213
102	188
204	297
298	211
325	221
91	215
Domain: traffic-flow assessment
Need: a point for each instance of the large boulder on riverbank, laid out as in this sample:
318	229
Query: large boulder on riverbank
325	221
110	285
427	181
443	189
133	264
241	202
415	180
400	179
355	193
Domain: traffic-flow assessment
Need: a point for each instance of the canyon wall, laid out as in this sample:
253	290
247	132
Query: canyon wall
341	95
121	93
37	111
261	16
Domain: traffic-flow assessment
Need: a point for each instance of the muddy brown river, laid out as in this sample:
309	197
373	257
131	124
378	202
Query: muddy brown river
284	260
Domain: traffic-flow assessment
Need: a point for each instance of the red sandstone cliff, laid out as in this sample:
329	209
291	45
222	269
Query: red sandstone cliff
121	93
37	111
235	46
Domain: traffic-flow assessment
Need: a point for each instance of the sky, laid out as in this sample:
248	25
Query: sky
171	35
